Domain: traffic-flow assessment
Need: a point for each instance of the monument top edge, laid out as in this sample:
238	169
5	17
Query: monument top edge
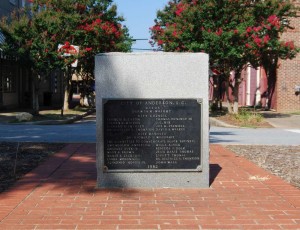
150	53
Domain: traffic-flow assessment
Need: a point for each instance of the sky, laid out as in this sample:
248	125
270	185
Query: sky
139	16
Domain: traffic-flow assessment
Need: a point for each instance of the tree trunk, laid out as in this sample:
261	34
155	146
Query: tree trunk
236	96
215	99
217	93
35	96
66	97
233	105
220	93
230	105
272	79
67	89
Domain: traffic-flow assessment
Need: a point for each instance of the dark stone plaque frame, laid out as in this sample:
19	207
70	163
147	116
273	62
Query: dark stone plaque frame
197	109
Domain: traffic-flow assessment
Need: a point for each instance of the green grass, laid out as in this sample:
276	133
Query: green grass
245	115
248	118
295	113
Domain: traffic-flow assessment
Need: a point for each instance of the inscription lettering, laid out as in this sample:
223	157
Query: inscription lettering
152	134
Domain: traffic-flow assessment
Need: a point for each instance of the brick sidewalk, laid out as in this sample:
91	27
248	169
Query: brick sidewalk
61	194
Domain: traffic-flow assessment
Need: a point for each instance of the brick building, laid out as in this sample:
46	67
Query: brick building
254	85
16	81
289	75
9	69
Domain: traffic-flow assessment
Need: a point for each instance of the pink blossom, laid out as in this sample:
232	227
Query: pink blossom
249	29
274	21
257	29
219	32
267	27
97	21
248	45
257	40
273	18
290	45
156	28
266	38
179	11
160	42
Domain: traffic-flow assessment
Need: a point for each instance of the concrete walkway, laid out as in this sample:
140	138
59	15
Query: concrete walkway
61	194
285	121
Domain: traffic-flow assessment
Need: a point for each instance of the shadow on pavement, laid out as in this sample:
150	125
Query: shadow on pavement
214	170
275	115
213	137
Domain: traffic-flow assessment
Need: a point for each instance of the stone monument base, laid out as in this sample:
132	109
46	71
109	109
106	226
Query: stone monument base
152	120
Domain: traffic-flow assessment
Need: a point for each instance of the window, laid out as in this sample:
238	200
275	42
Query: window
9	79
9	85
14	2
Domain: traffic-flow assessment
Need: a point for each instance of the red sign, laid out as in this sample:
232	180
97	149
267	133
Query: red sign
69	50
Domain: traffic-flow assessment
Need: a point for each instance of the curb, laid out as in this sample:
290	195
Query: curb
60	122
215	122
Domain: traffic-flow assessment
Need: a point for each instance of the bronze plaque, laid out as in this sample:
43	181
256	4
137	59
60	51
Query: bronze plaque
154	134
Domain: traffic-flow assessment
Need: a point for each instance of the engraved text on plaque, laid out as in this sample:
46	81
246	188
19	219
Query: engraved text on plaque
155	134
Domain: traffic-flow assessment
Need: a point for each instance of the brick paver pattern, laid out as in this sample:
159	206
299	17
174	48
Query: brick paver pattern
61	194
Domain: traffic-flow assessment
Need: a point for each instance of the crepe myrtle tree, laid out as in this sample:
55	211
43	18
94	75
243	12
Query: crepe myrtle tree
34	33
219	28
214	27
100	32
264	38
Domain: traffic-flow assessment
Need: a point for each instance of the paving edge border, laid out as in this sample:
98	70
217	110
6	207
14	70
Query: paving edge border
61	122
218	123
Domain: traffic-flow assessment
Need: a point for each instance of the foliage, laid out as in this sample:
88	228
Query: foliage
34	34
264	39
233	32
214	27
245	116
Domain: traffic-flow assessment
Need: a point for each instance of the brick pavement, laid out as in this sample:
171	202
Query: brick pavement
61	194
